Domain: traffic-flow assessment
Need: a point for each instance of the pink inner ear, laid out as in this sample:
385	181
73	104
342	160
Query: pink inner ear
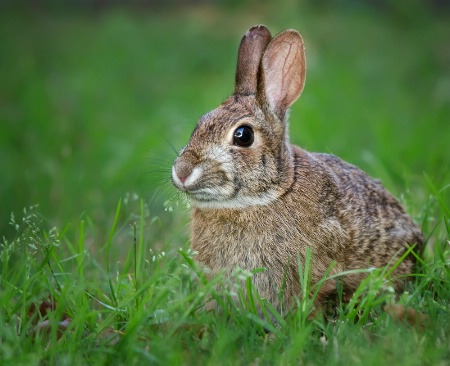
284	71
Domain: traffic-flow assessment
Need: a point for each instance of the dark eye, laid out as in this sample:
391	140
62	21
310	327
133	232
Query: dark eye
243	136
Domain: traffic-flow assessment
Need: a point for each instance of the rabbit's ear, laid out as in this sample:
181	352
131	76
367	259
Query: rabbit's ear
251	50
283	70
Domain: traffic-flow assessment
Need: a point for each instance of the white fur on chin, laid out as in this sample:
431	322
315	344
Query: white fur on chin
236	202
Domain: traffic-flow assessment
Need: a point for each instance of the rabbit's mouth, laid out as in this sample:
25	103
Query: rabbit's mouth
217	191
211	194
202	182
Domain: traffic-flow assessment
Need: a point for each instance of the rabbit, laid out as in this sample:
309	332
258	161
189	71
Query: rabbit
259	201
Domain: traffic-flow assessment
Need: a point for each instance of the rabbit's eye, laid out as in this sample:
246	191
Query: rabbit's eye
243	136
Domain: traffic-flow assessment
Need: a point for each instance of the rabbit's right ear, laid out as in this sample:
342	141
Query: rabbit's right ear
251	50
283	70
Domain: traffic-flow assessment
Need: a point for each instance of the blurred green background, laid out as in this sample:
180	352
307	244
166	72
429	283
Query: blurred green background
95	96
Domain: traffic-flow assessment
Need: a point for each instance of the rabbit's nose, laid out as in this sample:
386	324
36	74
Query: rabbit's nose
183	169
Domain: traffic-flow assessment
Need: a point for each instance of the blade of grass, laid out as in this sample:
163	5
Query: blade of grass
108	248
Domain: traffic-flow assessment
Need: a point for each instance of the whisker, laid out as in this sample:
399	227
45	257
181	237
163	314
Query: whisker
172	147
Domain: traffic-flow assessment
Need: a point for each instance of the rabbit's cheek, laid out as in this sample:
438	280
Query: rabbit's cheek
193	178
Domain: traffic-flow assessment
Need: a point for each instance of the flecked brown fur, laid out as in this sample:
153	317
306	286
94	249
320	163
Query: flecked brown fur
264	205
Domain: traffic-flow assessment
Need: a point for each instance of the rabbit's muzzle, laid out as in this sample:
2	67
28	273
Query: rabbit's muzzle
185	174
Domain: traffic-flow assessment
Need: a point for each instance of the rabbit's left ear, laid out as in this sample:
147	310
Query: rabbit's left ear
251	50
283	70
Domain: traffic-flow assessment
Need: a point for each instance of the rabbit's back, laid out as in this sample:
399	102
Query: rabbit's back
377	227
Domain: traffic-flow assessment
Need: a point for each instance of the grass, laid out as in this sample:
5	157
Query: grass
147	307
90	106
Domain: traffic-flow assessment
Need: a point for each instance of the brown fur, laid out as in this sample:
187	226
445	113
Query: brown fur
266	204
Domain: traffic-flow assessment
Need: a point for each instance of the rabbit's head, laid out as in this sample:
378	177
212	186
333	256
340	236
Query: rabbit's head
238	154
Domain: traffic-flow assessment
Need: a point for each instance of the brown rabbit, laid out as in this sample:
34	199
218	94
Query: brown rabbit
258	201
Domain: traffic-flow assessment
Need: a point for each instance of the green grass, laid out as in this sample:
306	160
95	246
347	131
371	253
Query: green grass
90	107
147	306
